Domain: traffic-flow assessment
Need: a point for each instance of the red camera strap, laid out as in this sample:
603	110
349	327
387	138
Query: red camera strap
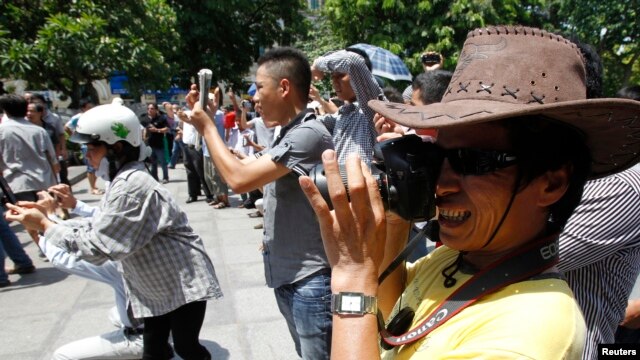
512	268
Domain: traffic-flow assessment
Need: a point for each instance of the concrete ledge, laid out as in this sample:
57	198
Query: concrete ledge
76	173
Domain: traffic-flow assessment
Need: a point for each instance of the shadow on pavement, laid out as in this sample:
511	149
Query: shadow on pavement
217	352
42	276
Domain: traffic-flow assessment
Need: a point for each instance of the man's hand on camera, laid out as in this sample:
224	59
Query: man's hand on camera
354	232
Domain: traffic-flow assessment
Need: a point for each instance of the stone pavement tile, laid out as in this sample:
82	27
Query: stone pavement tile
271	340
21	336
254	305
238	254
245	274
259	341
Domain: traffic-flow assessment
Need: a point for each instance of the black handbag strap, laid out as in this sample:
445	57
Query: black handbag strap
511	268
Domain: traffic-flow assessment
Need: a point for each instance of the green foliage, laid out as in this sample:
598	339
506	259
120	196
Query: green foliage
228	36
410	27
318	41
612	27
63	45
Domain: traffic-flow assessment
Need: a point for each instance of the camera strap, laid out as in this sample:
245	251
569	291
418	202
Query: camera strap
430	230
511	268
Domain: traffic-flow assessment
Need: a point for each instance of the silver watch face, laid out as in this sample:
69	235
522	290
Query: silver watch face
351	303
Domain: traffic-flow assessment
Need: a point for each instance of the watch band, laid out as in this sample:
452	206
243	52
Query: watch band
353	303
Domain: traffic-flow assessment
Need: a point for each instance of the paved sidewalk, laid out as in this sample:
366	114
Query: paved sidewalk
41	311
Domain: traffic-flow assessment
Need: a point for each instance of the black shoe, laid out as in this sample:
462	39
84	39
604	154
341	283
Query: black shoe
42	256
21	270
5	283
191	199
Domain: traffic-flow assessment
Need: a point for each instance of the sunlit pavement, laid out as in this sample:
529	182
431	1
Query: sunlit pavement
44	310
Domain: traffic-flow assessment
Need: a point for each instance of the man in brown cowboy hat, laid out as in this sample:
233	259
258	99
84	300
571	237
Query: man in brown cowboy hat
517	139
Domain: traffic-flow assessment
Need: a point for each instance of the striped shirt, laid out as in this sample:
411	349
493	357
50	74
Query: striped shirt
600	253
163	262
352	127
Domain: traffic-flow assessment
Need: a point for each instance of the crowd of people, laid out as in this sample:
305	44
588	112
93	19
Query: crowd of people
535	179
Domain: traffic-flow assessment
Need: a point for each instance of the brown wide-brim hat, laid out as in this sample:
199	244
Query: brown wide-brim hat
509	71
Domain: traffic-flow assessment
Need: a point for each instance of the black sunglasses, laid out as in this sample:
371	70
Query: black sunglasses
468	161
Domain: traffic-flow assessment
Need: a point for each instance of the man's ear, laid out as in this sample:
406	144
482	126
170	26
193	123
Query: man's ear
285	87
554	185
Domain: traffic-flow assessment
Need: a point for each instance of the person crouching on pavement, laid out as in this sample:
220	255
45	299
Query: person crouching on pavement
167	272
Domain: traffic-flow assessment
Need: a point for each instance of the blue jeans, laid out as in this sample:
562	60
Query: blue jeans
175	152
10	244
157	156
306	305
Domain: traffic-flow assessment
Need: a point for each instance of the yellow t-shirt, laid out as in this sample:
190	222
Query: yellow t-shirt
535	319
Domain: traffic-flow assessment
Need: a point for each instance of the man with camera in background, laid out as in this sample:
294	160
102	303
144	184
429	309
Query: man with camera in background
294	259
431	61
513	152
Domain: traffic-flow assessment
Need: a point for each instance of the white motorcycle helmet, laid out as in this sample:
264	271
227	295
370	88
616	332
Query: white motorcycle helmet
110	124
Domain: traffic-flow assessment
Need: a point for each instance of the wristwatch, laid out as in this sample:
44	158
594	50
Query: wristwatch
353	303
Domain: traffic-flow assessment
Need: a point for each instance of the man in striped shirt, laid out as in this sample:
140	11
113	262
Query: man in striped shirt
600	253
599	248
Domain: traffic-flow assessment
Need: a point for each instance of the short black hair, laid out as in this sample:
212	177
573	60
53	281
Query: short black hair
291	64
364	55
432	85
39	107
14	105
542	144
392	94
593	67
629	92
84	102
39	97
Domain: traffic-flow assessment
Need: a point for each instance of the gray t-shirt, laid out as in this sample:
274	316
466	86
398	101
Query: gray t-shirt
25	152
293	247
264	135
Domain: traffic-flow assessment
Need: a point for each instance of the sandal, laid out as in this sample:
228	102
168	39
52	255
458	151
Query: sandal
97	192
220	205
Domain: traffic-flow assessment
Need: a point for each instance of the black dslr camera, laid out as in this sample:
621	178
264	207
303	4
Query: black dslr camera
406	170
430	59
